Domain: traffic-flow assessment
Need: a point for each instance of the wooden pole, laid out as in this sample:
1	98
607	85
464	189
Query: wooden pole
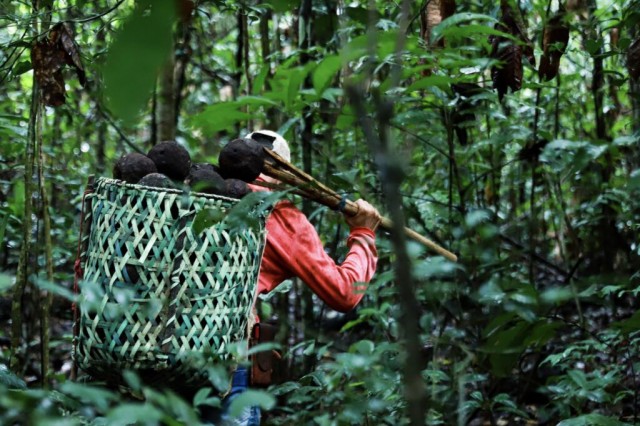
309	187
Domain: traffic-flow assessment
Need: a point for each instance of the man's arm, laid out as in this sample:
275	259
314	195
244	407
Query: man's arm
294	248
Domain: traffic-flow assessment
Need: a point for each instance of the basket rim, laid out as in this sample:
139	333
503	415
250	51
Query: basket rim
122	183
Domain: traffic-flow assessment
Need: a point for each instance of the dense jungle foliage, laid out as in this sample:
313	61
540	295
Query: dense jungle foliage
506	131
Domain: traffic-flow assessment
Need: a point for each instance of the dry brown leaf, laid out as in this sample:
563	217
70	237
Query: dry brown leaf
47	63
633	59
507	74
49	56
512	21
554	44
62	35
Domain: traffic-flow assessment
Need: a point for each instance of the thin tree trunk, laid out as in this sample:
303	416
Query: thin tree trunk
181	65
166	102
22	274
245	51
304	39
46	297
391	177
239	49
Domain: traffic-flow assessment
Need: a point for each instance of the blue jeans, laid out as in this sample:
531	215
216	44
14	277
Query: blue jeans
250	416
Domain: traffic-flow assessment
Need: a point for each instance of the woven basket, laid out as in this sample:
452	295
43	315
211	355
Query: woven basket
156	294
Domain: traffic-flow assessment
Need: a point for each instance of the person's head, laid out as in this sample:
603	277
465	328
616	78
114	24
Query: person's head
273	141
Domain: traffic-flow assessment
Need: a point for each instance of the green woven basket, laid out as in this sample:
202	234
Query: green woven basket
155	292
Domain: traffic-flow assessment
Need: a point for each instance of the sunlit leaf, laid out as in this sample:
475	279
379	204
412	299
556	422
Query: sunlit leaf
325	71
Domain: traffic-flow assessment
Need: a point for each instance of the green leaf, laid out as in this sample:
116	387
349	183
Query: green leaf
4	220
432	267
541	333
628	325
451	26
132	379
144	414
592	420
264	347
593	46
325	71
56	289
556	295
286	388
473	31
261	78
10	380
365	347
255	101
246	213
218	117
6	282
579	378
141	47
282	6
625	140
201	396
219	378
430	81
98	397
207	218
296	77
22	67
634	180
251	398
16	200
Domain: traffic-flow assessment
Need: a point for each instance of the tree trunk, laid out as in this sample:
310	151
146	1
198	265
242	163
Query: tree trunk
45	296
22	274
166	102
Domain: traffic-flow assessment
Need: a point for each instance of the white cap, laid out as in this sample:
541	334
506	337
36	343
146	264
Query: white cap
280	145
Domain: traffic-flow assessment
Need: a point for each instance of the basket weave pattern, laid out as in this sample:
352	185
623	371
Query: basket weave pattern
157	291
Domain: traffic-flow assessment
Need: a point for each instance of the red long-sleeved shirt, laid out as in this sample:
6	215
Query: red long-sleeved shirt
294	248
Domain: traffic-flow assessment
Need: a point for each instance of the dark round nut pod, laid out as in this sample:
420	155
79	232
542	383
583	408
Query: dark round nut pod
236	188
206	180
199	166
242	159
171	159
157	180
133	167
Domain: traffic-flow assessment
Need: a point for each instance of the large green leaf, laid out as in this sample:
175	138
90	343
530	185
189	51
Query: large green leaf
452	27
251	398
592	419
141	47
10	380
220	116
325	71
140	414
96	396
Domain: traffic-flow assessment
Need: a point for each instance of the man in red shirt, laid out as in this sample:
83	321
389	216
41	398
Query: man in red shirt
294	249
